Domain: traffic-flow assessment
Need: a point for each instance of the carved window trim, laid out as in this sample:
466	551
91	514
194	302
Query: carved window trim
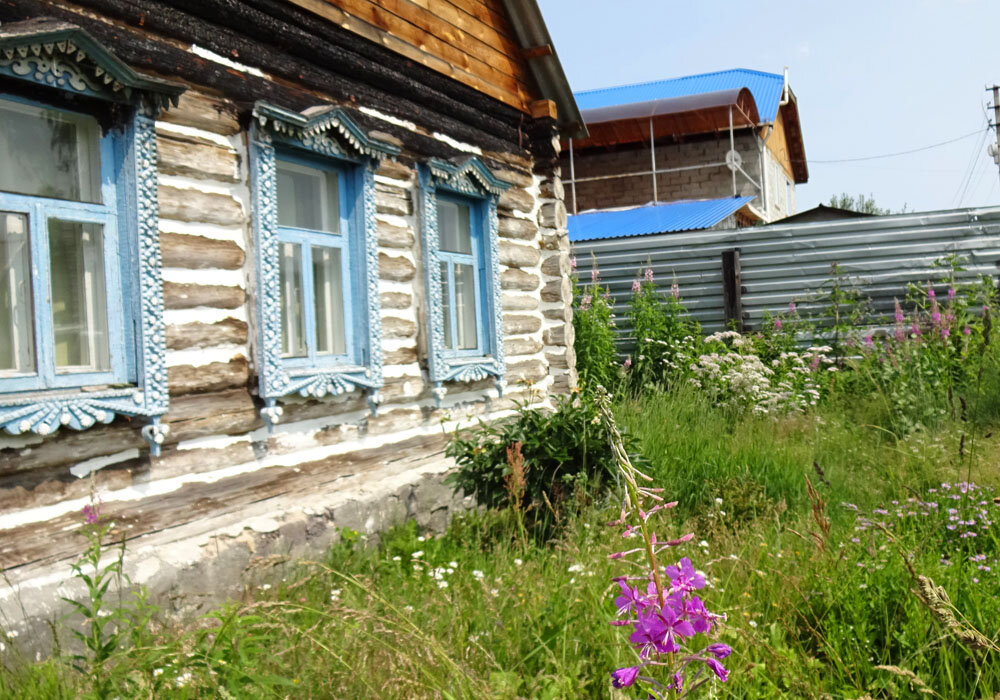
328	132
63	57
468	178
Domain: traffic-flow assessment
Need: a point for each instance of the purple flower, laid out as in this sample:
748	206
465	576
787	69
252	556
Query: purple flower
694	610
628	362
659	632
966	331
91	513
951	293
869	342
630	599
624	677
585	302
791	307
915	329
931	293
719	650
675	291
945	333
683	577
777	324
900	334
649	274
594	274
636	286
572	263
718	669
899	313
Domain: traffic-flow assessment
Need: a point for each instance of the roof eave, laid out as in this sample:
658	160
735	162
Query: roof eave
793	139
529	27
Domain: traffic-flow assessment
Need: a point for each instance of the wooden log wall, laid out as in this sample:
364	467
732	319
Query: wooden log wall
218	456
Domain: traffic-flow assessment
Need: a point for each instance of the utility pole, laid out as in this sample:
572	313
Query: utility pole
994	149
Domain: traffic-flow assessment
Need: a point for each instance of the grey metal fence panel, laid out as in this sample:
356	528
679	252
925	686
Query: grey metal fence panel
784	263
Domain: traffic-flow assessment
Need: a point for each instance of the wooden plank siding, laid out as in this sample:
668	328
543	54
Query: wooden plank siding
468	40
778	145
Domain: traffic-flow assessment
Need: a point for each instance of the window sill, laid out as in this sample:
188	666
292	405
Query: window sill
467	369
44	412
318	382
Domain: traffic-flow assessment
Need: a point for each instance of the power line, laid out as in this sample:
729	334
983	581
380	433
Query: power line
963	184
901	153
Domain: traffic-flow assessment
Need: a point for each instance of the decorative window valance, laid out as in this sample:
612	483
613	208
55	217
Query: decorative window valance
470	186
330	143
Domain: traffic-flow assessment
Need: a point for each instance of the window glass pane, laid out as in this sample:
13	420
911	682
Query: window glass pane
293	318
17	337
328	288
446	307
79	304
308	198
453	227
465	306
48	153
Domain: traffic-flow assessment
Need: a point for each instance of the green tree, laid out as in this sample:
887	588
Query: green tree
860	204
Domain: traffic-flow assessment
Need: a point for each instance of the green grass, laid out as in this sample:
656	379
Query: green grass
809	614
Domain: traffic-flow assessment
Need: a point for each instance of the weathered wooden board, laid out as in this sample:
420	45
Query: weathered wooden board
58	539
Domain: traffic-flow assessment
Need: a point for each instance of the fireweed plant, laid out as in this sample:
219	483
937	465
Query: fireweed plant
663	334
594	329
660	604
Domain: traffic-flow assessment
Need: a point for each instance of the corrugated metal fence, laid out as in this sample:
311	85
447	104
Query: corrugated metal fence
880	256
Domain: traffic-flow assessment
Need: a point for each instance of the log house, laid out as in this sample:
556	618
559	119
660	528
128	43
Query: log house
257	259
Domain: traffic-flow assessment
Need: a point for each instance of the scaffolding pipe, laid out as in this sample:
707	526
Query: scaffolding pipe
732	148
652	157
643	173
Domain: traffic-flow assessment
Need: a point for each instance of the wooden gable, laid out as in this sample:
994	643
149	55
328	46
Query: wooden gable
471	41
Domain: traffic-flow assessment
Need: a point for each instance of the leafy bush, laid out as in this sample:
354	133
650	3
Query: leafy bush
663	333
564	450
594	329
934	360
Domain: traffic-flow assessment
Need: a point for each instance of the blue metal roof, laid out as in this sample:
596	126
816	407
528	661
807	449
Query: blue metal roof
653	218
765	87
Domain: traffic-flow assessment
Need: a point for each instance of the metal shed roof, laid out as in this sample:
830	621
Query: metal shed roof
653	218
765	87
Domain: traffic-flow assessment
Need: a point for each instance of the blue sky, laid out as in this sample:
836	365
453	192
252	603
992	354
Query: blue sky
871	78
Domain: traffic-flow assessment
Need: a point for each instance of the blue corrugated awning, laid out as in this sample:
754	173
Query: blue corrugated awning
653	218
765	87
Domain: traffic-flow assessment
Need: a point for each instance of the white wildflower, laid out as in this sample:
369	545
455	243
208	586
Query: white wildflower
477	574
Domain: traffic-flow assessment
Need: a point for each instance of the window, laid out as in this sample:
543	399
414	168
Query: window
460	254
465	321
318	314
59	249
81	301
314	264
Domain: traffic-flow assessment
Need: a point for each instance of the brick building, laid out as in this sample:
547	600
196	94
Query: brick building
732	135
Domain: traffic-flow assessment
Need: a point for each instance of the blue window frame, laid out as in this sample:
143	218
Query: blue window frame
61	253
81	300
459	230
319	327
462	260
316	215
